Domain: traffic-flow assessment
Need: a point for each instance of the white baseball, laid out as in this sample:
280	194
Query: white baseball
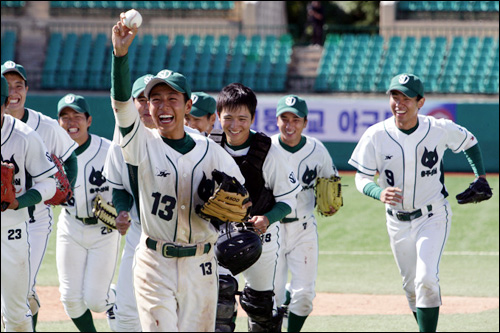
132	17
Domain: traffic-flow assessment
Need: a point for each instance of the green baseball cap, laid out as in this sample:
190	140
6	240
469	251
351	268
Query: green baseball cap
203	104
175	80
9	66
75	102
293	104
408	84
5	90
140	84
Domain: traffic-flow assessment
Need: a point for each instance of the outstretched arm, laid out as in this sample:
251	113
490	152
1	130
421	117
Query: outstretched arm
121	39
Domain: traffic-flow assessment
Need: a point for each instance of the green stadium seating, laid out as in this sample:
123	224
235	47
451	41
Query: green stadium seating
159	54
144	57
51	61
66	65
80	72
8	45
96	70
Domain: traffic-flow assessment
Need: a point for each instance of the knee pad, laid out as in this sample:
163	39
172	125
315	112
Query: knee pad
257	304
226	304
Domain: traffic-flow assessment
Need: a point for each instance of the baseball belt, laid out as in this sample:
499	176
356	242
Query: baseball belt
170	250
408	216
86	220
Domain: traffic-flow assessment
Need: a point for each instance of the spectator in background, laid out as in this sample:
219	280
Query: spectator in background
316	19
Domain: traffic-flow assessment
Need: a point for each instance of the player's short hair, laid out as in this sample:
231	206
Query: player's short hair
236	95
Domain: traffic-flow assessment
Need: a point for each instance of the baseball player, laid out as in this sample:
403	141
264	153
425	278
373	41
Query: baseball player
86	249
25	150
59	143
202	116
407	151
299	238
175	272
273	189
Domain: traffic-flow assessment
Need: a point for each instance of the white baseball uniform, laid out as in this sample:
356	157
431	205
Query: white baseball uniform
299	232
87	250
117	173
58	142
419	226
280	178
175	273
24	148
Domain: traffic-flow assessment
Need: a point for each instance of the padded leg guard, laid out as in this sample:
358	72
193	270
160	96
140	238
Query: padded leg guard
272	325
226	305
259	308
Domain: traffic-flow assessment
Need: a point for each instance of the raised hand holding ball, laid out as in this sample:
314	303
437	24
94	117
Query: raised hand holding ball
132	17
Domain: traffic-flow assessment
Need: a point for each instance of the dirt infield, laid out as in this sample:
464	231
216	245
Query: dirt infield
324	305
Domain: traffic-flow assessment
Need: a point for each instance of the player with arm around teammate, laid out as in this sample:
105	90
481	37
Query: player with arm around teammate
407	151
86	249
273	188
175	272
59	143
299	235
23	148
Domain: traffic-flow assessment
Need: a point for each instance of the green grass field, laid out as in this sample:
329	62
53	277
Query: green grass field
355	258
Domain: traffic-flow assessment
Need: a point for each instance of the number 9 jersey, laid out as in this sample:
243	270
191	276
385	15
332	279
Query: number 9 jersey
413	162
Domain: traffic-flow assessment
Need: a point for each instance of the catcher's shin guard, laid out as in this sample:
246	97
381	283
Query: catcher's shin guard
259	308
272	325
226	304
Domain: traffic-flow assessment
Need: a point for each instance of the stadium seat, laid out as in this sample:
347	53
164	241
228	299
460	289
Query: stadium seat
8	45
80	73
51	61
144	57
65	67
97	56
159	54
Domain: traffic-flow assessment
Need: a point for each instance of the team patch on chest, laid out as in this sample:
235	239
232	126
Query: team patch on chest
429	160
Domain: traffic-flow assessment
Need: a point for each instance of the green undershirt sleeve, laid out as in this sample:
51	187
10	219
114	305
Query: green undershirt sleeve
30	198
120	79
122	200
372	190
475	158
71	168
279	211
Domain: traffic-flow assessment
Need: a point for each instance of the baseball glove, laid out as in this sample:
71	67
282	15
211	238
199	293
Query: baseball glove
63	186
328	194
8	189
104	211
229	203
479	190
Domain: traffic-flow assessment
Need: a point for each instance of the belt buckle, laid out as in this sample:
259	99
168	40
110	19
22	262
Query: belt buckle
164	250
402	216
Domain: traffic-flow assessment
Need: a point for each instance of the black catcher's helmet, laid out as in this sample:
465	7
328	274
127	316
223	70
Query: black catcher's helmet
238	249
